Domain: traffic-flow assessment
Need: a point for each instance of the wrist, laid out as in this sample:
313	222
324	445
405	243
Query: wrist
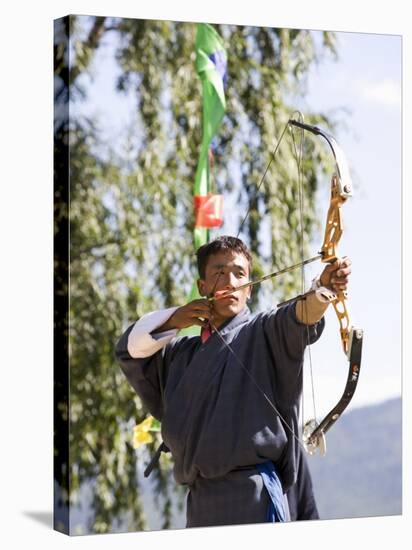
323	293
170	324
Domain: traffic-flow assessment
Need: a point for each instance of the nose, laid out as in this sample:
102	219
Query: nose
228	280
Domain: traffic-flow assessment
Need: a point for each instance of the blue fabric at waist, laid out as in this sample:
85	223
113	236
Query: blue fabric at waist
276	510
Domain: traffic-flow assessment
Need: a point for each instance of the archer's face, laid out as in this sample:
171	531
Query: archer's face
226	271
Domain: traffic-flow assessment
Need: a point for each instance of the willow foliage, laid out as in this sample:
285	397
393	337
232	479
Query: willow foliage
131	215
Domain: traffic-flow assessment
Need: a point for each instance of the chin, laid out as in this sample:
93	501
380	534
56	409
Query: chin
231	309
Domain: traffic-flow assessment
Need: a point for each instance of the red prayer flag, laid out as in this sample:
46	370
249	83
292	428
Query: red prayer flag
208	210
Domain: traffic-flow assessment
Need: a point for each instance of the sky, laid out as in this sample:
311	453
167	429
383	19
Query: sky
363	91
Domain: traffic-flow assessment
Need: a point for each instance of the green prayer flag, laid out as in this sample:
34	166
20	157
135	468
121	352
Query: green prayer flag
211	66
211	63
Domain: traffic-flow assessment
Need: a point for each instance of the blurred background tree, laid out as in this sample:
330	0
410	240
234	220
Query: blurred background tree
131	219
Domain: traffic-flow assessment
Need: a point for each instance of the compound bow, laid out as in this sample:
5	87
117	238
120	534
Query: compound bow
352	338
341	189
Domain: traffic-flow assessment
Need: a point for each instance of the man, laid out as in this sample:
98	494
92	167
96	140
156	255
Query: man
229	399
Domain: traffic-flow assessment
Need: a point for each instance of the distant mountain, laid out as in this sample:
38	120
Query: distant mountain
361	473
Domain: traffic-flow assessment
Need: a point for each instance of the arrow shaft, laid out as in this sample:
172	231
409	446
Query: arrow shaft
268	276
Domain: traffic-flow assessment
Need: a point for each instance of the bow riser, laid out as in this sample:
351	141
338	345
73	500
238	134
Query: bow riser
333	234
342	313
334	225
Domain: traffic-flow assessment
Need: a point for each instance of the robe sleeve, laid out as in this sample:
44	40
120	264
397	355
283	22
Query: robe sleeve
142	342
289	336
146	375
141	357
286	339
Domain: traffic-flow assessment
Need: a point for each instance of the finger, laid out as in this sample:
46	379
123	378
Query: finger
199	302
339	281
199	322
342	271
345	261
204	305
201	315
201	311
330	270
343	267
328	274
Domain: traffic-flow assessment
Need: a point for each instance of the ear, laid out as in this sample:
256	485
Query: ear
249	293
250	288
201	287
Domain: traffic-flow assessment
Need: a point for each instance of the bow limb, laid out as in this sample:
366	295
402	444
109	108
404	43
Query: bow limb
313	433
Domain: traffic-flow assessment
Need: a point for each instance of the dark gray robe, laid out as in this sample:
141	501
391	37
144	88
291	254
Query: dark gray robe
215	421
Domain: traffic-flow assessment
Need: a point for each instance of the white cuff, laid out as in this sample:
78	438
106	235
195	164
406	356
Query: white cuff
141	343
323	294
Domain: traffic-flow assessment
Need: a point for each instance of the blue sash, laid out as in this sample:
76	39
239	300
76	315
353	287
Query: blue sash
276	511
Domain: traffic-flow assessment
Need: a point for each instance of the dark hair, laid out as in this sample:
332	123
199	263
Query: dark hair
221	244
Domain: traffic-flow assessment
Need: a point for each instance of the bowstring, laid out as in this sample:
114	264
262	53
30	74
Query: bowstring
262	179
299	158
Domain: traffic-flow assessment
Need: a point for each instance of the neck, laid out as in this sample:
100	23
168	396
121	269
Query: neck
218	321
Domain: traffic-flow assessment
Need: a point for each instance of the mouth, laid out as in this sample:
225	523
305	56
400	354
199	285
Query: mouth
222	296
229	299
